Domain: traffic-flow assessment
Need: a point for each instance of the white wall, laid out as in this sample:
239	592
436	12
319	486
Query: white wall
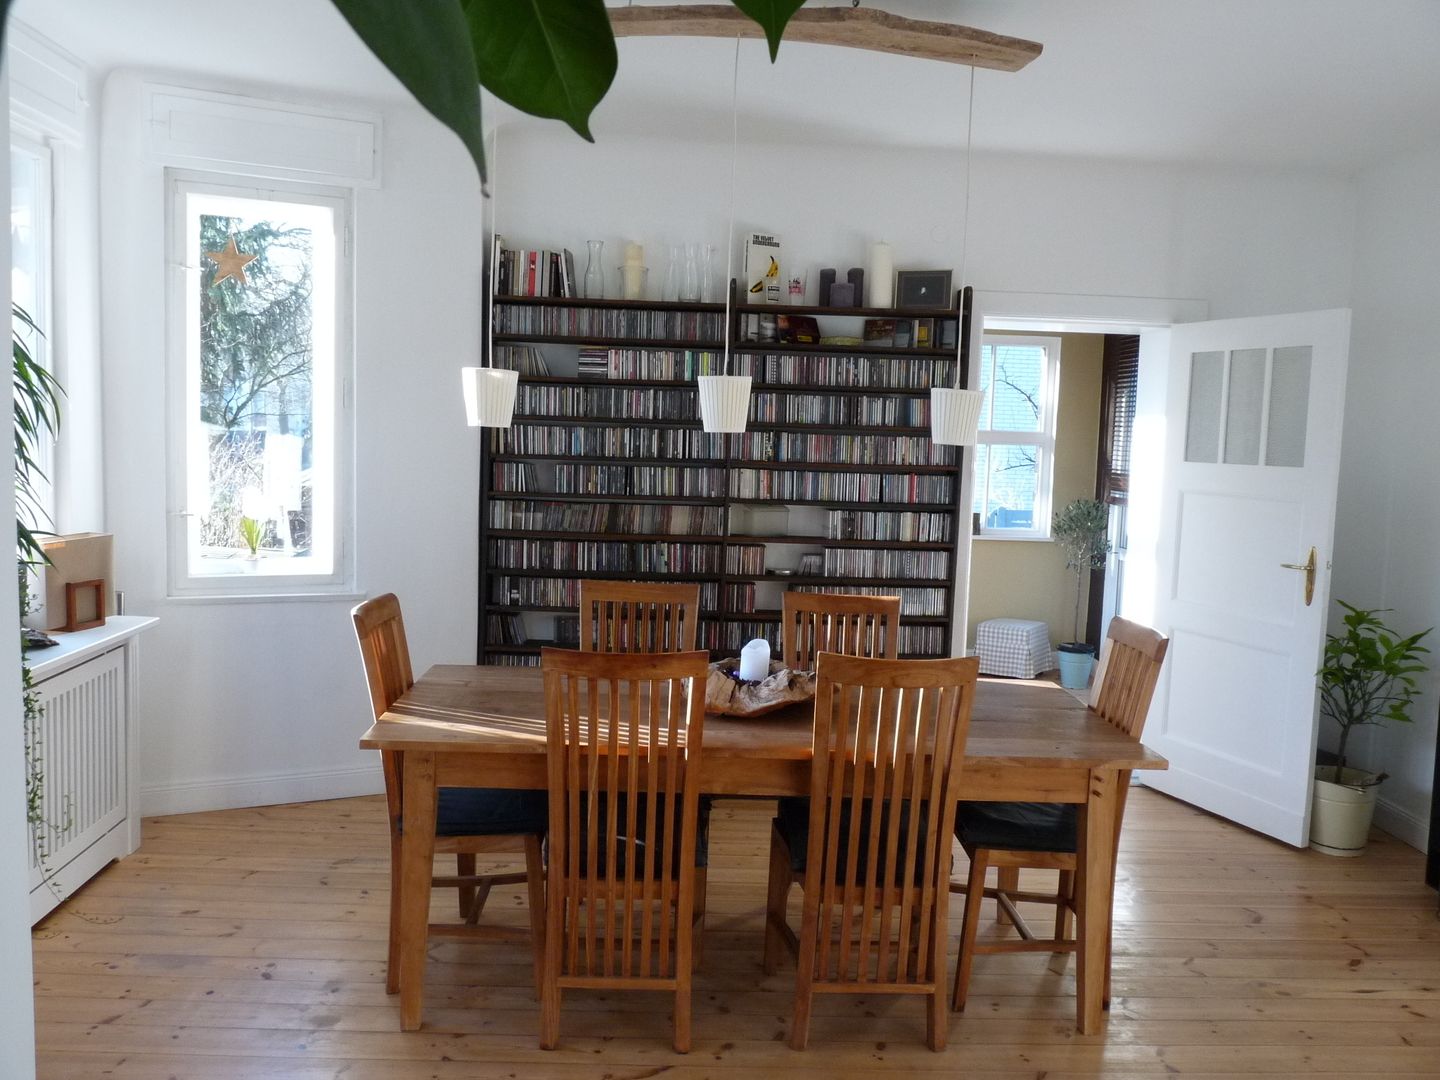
245	703
1388	528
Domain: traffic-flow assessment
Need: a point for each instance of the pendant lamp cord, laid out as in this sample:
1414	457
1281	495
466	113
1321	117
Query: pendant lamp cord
730	234
494	253
965	213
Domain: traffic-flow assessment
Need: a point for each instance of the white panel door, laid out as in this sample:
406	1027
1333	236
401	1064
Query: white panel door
1252	454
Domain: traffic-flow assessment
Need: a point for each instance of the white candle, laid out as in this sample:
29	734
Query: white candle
882	276
632	274
755	660
634	255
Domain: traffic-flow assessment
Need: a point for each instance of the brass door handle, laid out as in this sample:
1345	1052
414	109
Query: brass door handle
1309	567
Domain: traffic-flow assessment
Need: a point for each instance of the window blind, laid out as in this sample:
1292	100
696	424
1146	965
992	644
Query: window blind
1120	376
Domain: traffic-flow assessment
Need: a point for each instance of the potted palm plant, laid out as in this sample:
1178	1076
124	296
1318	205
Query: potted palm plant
1080	531
1367	677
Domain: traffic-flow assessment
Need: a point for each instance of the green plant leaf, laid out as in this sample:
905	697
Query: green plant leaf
553	58
772	15
426	45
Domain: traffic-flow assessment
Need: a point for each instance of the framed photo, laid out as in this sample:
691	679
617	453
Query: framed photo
922	289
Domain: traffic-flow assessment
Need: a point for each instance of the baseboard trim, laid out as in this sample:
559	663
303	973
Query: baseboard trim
228	793
1402	824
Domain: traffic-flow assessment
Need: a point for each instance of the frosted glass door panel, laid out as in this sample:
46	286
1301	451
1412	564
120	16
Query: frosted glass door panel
1245	407
1202	429
1289	403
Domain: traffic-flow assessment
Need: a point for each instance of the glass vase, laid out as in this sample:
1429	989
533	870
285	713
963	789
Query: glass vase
670	289
710	288
690	274
595	270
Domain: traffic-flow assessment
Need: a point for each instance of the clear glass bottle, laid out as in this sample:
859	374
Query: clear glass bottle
710	288
595	270
670	289
690	274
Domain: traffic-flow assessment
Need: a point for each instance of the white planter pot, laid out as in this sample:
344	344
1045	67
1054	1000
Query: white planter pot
1340	814
724	402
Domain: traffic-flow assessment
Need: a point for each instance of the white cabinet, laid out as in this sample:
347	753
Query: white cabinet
87	748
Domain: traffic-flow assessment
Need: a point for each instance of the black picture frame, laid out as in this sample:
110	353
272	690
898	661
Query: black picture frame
922	289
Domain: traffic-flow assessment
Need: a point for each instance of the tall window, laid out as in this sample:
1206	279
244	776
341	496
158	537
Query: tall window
31	250
1014	459
261	382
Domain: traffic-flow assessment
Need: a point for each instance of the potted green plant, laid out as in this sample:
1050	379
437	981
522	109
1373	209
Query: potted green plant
1080	531
1367	676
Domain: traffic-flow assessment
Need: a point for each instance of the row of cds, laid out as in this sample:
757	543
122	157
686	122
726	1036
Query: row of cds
662	365
622	442
883	563
838	409
919	603
924	640
745	559
878	372
616	556
905	526
606	518
612	402
779	484
848	449
513	476
585	322
562	592
649	480
740	597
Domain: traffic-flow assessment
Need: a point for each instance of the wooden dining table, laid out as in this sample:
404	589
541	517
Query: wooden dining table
469	726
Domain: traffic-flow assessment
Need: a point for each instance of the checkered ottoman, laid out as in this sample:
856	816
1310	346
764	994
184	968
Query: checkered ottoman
1019	648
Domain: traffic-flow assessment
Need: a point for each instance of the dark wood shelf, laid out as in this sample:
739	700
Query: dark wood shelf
613	305
845	312
840	466
796	579
616	575
797	427
605	421
820	541
608	342
698	463
756	386
604	537
839	504
537	609
771	615
552	496
765	347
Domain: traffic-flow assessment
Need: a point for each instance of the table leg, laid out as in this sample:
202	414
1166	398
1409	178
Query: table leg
417	862
1093	888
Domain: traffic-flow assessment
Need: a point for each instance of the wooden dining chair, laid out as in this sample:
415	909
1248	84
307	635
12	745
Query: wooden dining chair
873	853
636	617
812	623
1044	836
468	821
624	737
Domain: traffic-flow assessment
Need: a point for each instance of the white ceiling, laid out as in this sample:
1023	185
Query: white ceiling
1324	84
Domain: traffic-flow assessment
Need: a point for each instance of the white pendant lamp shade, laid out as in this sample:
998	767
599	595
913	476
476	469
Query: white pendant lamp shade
955	415
724	403
489	396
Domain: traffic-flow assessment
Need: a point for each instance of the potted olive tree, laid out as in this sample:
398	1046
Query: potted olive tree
1080	531
1367	677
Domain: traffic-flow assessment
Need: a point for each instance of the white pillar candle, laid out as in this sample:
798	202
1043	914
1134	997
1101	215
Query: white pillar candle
882	276
632	273
755	660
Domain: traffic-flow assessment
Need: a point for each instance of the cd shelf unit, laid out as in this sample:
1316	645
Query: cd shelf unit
835	485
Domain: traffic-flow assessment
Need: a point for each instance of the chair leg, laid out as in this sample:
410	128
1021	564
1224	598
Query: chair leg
804	998
936	1018
970	924
392	956
465	867
777	892
1007	880
697	924
535	885
1063	911
682	1016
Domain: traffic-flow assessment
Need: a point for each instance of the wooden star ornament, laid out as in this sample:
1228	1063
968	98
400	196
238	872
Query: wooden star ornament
229	263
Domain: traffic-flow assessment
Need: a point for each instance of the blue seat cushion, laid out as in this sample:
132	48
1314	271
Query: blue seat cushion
1018	826
793	821
665	823
490	812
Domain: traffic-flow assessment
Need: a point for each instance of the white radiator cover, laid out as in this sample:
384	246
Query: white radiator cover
86	690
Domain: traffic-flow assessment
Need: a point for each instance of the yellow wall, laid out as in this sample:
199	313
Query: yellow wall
1027	579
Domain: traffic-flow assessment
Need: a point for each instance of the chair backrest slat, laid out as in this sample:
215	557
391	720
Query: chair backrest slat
812	623
638	617
380	632
624	735
1125	676
889	739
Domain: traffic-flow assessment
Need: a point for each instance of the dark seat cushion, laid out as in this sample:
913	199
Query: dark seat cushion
490	812
793	821
666	823
1018	826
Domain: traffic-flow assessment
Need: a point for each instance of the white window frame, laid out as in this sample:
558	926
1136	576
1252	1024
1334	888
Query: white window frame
183	392
1044	439
42	348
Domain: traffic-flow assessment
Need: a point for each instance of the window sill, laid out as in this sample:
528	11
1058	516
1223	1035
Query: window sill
349	597
1012	539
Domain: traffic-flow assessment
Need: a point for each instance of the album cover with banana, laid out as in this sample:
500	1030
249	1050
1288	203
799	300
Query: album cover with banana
763	281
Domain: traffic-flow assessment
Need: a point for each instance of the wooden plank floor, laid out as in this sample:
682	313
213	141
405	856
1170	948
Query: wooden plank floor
249	945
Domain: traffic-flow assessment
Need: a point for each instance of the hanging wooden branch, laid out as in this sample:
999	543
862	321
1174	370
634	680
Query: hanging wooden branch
854	28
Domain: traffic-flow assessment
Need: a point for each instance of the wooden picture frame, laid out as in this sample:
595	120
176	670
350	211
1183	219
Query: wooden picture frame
922	289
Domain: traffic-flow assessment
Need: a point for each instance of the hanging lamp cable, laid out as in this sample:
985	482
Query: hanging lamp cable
730	232
489	358
965	211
